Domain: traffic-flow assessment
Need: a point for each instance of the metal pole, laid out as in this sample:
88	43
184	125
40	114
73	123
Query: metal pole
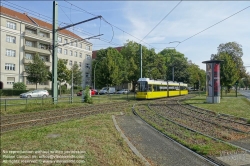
72	87
141	59
54	53
94	73
173	73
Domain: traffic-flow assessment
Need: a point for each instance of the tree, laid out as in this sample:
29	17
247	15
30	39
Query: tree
37	71
77	75
110	69
178	61
131	54
19	86
229	74
197	76
234	50
63	73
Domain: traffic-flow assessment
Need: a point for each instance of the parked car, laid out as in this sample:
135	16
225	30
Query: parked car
123	91
107	90
93	92
35	93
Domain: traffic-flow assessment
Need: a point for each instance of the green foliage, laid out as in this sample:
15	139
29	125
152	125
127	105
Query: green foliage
234	50
178	61
63	73
37	71
228	71
197	76
87	97
11	92
19	86
77	75
109	68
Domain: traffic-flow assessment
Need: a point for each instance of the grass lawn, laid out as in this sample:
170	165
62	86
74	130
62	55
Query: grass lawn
95	137
17	105
229	104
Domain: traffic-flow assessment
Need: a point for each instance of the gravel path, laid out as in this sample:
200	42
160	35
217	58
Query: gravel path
157	149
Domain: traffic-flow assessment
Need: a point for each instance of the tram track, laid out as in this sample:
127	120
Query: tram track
25	120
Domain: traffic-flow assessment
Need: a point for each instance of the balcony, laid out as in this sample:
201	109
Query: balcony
37	37
39	50
26	61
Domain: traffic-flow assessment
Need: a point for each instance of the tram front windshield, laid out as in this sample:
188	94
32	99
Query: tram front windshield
143	86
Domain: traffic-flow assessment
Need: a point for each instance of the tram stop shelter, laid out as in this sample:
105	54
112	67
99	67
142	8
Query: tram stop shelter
213	81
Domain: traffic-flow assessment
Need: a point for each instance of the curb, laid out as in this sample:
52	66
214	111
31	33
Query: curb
131	146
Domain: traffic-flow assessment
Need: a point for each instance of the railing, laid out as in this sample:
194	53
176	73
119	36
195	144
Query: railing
12	105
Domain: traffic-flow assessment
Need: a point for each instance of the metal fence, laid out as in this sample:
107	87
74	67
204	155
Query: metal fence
6	104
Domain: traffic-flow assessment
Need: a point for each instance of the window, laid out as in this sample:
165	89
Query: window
28	43
75	62
75	54
11	53
29	83
87	65
59	39
80	64
88	57
65	51
10	39
71	53
80	45
42	34
59	50
65	41
11	25
71	43
43	46
87	75
9	66
28	56
10	80
30	31
74	44
70	63
87	47
80	55
43	58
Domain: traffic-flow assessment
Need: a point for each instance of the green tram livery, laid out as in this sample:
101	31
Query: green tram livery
152	89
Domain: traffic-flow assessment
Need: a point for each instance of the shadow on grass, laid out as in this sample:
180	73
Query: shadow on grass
196	99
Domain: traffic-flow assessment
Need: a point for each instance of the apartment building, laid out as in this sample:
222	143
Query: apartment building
22	36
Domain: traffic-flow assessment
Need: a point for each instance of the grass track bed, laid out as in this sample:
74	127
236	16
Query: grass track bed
195	141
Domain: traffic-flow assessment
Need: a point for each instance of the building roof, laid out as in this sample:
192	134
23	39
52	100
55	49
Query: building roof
95	52
28	19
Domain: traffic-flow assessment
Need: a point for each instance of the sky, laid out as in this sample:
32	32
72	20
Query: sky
161	24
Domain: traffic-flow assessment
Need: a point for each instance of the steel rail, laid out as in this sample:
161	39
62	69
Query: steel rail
247	150
207	159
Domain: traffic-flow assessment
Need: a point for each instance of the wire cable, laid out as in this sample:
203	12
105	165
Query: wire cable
162	20
213	25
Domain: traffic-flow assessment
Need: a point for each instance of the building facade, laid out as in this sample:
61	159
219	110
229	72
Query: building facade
22	36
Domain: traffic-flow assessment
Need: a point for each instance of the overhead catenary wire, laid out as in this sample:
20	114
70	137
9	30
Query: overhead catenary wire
50	20
161	20
107	22
213	25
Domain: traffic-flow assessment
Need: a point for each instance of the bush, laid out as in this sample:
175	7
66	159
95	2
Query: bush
19	86
87	97
11	92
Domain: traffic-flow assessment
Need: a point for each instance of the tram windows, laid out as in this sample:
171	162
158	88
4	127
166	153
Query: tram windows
143	86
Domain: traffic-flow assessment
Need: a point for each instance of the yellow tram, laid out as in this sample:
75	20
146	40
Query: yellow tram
152	89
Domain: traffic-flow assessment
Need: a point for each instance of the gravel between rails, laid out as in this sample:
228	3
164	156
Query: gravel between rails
203	124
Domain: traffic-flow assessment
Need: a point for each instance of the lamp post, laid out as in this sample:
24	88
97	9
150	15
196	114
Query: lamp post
94	69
